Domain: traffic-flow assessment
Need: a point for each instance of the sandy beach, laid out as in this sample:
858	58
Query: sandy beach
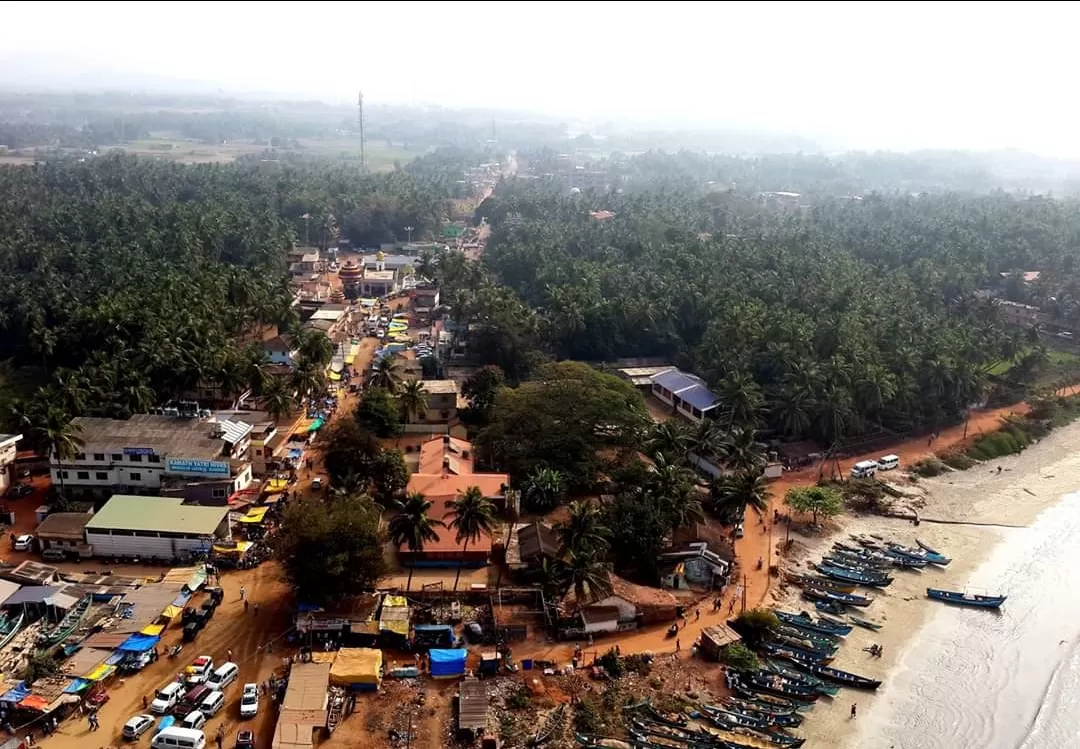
1028	484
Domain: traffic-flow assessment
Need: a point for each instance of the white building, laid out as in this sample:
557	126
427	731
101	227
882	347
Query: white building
149	451
155	528
685	393
7	459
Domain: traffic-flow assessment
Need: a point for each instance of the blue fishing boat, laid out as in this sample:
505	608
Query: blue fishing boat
876	580
849	599
840	677
907	551
830	607
800	677
820	639
804	621
818	581
966	599
864	623
819	651
794	651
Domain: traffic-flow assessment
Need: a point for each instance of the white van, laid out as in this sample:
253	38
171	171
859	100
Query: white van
864	469
167	697
224	676
179	738
212	703
888	462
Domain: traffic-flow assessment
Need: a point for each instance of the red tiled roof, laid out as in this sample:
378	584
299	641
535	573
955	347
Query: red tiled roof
447	540
435	450
438	486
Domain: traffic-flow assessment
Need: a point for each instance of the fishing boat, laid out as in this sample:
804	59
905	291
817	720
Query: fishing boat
825	648
819	639
808	654
849	599
865	558
927	548
830	607
770	684
820	582
67	625
799	677
908	563
11	628
875	580
804	621
756	706
864	623
769	702
840	677
966	599
931	557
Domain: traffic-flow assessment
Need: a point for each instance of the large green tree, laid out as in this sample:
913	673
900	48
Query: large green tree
414	527
471	516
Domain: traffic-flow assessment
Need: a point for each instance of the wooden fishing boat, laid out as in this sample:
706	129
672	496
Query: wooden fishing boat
864	558
810	646
875	580
849	599
769	702
800	677
550	725
13	627
819	639
756	706
776	737
864	623
67	625
759	682
830	607
840	677
804	621
927	548
931	557
908	563
784	649
966	599
820	582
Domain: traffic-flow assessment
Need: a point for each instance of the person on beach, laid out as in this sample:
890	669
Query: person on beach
243	593
853	709
678	645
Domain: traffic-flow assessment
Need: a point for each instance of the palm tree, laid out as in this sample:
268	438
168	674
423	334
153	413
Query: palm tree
741	397
671	438
731	495
544	489
277	398
471	515
583	531
386	374
316	347
414	527
587	575
741	451
412	400
56	429
308	378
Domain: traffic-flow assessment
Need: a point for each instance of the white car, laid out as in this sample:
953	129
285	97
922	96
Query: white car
137	726
249	701
193	720
22	543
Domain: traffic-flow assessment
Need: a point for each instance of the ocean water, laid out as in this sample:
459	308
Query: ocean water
1009	680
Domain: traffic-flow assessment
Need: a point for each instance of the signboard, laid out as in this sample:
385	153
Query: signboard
138	451
204	467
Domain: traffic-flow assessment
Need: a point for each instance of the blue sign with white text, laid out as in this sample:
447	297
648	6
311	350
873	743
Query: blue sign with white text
208	467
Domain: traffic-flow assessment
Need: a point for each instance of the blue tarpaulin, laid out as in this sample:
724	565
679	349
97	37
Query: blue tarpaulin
181	600
139	643
447	664
77	685
18	693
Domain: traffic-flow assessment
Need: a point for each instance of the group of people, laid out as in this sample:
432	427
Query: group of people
874	650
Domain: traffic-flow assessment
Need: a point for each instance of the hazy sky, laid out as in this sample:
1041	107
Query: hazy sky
901	75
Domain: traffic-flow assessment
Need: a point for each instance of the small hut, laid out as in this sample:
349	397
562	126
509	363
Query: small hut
717	637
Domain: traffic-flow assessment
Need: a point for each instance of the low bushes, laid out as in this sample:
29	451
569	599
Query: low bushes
928	468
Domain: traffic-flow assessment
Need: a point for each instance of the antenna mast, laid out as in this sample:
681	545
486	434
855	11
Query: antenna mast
360	122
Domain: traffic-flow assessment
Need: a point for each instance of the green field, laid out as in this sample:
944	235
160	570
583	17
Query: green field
1056	357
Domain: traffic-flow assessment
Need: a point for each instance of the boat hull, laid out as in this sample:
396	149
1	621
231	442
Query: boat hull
963	599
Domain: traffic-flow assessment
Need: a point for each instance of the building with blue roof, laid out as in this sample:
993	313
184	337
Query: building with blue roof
685	393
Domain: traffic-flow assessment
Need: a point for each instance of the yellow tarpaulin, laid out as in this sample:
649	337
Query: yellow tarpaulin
153	630
274	486
335	376
171	612
100	672
322	657
240	548
255	515
350	359
395	602
356	666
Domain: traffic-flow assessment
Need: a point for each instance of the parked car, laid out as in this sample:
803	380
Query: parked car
249	701
22	543
137	726
199	670
17	491
245	740
54	554
167	697
193	720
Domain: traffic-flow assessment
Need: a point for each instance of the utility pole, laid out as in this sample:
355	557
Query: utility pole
409	229
360	123
743	593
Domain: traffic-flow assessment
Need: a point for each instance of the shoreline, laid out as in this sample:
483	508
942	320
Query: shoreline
1028	484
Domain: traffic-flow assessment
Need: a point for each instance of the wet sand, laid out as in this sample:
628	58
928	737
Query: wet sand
1028	484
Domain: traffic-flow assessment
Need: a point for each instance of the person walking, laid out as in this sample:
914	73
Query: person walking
228	654
854	709
245	605
243	593
678	645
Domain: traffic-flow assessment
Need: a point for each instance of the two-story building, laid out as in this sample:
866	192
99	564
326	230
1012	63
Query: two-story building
155	453
442	401
7	459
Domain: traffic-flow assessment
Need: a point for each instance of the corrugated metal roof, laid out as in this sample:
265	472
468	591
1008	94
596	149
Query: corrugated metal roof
234	431
675	380
472	705
169	514
700	397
